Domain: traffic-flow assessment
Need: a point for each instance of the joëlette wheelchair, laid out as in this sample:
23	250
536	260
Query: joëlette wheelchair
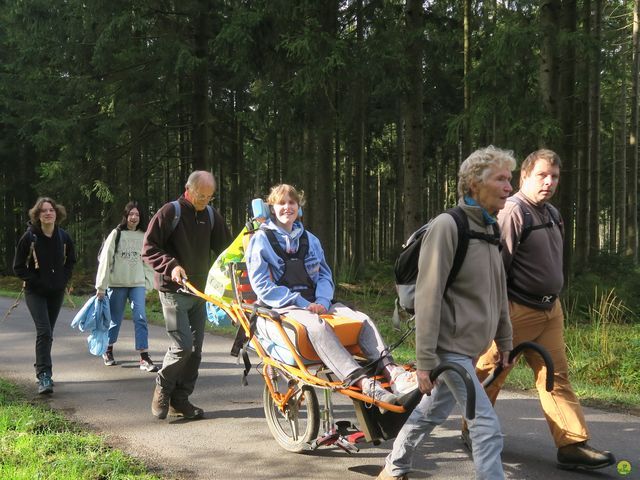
293	373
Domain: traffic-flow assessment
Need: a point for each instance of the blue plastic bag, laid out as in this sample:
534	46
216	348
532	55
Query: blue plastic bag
217	316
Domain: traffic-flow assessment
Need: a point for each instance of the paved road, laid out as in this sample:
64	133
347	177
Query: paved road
233	440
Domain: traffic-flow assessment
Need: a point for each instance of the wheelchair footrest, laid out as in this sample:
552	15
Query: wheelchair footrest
339	437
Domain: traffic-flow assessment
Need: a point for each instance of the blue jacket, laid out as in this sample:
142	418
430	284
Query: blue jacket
266	268
95	316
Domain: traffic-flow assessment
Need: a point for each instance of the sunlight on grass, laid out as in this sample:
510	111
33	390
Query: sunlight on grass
36	442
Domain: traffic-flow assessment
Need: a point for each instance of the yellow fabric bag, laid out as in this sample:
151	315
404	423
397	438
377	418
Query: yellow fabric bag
218	281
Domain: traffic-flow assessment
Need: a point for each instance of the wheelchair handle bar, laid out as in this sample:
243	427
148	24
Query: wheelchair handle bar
516	351
415	397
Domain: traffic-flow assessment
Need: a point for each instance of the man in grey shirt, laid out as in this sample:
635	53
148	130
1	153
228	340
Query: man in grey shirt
532	235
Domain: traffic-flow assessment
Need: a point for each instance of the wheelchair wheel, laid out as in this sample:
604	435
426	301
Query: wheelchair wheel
298	426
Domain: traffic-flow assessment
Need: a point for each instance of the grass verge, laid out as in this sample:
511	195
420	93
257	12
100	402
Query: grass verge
36	442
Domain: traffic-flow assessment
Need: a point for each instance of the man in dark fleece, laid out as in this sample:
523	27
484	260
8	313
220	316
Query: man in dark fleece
176	252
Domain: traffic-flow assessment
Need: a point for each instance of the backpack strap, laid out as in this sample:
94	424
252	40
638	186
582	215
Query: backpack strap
176	214
303	245
464	234
32	251
211	216
178	210
462	223
32	248
527	224
115	249
63	241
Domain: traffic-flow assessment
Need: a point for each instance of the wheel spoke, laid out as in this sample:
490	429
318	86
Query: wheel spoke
297	425
293	423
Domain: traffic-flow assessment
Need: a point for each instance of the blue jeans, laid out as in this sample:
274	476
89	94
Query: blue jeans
433	410
44	310
117	299
184	316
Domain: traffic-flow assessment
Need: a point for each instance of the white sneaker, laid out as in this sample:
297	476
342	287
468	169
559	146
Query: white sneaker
373	389
403	381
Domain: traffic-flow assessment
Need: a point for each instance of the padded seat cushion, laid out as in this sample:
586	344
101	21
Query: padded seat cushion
346	329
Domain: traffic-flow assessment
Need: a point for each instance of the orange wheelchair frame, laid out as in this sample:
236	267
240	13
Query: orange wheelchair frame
290	402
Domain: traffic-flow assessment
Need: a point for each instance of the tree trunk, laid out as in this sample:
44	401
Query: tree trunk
557	90
399	155
324	198
548	74
338	256
632	148
584	151
466	139
236	181
594	133
359	153
621	171
413	165
200	103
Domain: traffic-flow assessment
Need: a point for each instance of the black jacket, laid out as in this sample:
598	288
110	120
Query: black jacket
44	263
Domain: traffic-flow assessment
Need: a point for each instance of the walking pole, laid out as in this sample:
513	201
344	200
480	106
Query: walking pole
12	307
68	292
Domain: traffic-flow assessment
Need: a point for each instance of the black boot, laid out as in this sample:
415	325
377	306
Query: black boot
581	455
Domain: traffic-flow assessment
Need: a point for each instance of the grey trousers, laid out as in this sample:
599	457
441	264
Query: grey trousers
433	410
184	316
327	345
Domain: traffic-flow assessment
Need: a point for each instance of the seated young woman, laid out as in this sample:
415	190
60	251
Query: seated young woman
303	290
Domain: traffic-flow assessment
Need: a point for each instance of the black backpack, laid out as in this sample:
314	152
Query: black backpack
406	266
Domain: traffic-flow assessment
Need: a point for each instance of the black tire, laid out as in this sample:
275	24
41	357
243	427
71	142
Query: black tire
303	416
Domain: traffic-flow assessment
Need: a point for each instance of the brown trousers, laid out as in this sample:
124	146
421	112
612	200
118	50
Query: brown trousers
561	406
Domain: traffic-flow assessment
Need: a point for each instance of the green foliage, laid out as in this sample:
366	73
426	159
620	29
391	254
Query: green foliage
36	442
595	286
99	102
603	343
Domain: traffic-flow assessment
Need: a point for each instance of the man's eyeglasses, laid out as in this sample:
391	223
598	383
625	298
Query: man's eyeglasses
202	198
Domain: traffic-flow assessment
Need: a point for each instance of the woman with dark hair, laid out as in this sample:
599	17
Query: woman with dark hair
44	259
123	276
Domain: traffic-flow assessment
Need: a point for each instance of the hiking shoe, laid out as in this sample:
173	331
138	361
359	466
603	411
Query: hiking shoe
384	475
372	388
403	381
108	359
147	365
53	384
582	456
45	385
184	408
160	403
